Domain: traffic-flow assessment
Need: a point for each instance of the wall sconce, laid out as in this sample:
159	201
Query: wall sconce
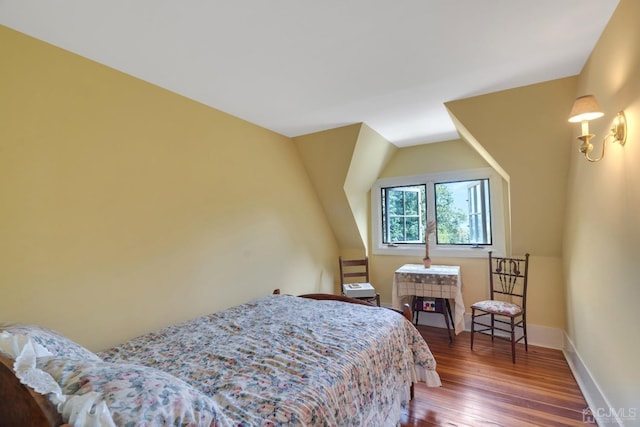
586	108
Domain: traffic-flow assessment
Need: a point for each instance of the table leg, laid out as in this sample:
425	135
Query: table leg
446	312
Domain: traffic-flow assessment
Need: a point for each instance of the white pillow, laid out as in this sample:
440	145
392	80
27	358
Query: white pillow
55	343
24	352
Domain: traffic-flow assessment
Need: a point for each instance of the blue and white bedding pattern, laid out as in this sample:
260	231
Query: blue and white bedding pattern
277	361
285	360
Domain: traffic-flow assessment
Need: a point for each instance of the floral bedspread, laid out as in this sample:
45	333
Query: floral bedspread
284	360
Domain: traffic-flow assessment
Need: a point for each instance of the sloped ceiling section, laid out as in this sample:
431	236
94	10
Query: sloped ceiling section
523	133
327	156
298	67
467	136
343	164
370	156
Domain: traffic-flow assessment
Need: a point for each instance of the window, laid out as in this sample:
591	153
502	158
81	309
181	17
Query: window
466	205
403	214
463	213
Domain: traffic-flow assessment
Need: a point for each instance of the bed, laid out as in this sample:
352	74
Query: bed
278	360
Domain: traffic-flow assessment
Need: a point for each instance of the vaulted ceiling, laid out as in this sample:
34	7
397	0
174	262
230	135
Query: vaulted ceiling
300	66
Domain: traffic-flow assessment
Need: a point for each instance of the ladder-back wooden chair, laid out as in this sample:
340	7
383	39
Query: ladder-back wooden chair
357	271
506	311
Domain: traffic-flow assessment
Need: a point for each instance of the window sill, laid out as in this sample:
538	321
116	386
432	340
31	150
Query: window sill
450	252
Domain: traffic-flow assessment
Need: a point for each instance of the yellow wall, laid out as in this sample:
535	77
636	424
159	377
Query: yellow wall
327	157
371	154
545	272
524	130
343	164
421	159
124	207
602	233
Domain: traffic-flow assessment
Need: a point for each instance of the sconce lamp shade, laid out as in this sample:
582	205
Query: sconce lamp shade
585	108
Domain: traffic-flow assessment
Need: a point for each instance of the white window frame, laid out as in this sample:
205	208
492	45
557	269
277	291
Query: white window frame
406	216
435	250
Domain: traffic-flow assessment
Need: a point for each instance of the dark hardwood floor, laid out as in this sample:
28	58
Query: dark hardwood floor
483	388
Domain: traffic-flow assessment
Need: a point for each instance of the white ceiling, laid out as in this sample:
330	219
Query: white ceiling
300	66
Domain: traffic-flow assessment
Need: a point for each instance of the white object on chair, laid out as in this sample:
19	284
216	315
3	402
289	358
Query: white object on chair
359	290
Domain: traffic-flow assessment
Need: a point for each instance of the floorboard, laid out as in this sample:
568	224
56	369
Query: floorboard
484	388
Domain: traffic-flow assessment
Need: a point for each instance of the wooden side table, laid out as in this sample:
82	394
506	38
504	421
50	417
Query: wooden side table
440	282
434	305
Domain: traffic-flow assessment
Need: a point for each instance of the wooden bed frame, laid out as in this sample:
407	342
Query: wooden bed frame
22	406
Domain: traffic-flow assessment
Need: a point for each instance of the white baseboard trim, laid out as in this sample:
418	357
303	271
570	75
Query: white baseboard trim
542	336
600	409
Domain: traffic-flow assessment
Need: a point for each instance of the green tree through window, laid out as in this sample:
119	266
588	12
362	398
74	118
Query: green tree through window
463	214
466	205
404	214
451	221
461	209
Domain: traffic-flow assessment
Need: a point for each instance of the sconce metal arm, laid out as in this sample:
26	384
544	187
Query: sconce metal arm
586	147
618	132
